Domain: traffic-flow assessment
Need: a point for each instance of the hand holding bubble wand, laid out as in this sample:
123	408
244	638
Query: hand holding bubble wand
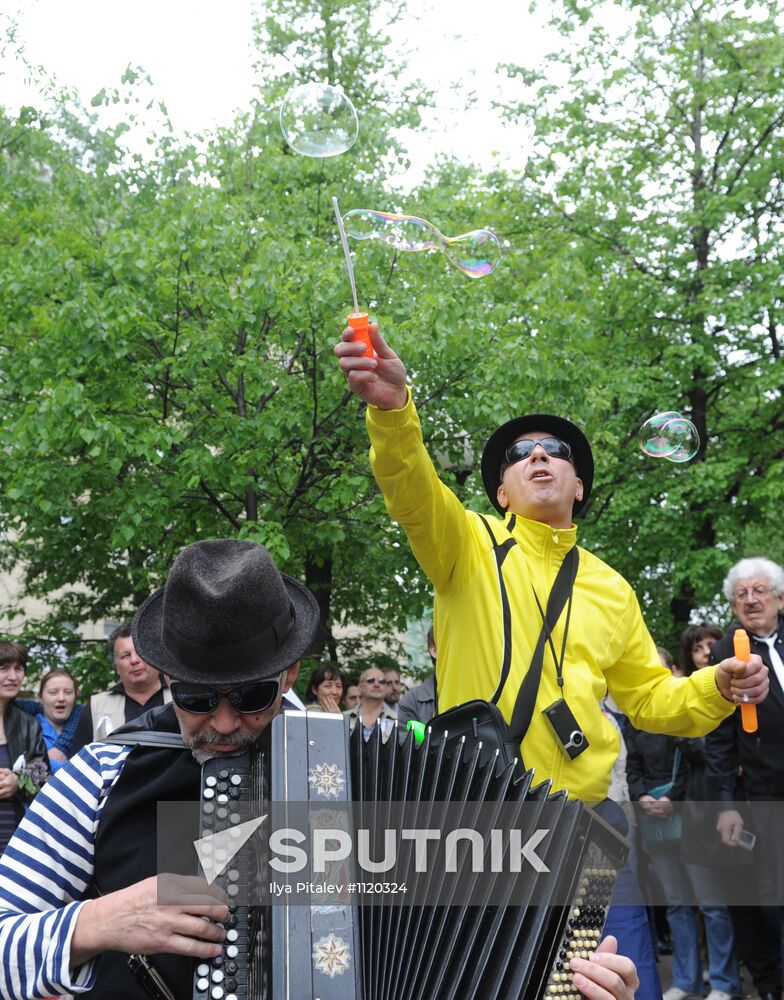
358	321
748	713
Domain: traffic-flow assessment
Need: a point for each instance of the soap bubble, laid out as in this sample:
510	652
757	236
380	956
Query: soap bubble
318	120
669	435
476	253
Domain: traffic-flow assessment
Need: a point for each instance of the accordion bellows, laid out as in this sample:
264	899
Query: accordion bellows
454	933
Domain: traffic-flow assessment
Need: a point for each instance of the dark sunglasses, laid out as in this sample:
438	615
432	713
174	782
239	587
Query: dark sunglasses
554	447
247	699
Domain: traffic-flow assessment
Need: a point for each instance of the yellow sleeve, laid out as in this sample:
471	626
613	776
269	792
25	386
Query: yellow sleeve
439	529
653	699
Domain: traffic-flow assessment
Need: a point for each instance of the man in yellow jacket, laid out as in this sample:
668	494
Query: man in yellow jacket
538	472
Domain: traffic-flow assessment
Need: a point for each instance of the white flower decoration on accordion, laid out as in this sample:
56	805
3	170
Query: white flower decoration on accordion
327	780
332	956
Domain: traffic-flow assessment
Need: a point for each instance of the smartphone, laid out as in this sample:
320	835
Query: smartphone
747	840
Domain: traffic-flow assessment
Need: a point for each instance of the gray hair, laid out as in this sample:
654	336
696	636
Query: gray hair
758	566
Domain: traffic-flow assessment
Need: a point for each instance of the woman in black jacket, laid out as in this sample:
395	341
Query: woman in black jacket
21	740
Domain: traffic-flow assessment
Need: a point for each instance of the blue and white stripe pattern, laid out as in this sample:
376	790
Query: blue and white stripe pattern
44	873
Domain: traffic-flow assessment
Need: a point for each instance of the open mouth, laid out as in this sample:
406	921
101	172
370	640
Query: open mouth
540	474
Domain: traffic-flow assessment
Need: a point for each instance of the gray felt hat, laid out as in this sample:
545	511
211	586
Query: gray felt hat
225	615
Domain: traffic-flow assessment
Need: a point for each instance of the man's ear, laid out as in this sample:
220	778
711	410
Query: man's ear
502	497
578	494
291	676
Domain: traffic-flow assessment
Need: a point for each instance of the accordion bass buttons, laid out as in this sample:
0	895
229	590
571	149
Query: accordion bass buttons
583	927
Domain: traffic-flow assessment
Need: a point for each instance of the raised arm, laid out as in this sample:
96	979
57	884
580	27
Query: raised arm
444	538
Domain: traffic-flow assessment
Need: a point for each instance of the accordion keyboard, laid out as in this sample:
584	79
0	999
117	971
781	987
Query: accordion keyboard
230	788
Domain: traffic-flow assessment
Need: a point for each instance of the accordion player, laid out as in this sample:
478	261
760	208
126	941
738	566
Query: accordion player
304	929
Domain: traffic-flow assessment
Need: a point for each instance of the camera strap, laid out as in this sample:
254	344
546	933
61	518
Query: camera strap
560	593
557	660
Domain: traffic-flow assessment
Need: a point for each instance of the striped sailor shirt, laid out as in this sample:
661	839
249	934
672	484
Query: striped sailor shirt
45	872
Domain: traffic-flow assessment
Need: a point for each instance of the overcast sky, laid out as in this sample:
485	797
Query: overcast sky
198	52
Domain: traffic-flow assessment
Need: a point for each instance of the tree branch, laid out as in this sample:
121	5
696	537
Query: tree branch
219	506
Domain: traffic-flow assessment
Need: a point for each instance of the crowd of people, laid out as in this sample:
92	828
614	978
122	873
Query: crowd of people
524	618
658	772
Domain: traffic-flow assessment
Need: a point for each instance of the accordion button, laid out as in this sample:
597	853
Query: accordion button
217	993
217	976
223	798
235	793
223	774
233	875
202	984
211	782
232	951
202	970
209	793
232	936
233	890
217	962
236	779
223	786
231	968
231	984
231	996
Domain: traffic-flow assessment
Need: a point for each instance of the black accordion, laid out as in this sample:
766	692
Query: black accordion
442	921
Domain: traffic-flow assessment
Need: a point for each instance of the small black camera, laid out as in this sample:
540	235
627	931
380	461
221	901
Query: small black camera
571	739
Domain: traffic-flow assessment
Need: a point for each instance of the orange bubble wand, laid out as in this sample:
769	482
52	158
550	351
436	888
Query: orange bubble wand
748	713
358	321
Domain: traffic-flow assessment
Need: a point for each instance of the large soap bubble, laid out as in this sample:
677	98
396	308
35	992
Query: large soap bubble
669	435
476	253
318	120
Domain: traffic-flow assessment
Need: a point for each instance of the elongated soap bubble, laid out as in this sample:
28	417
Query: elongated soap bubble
669	435
318	120
476	253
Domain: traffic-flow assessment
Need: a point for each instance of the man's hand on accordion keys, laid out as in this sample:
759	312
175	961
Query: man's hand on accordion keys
172	914
606	976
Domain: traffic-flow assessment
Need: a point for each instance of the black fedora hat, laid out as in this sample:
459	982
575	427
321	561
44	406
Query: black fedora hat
495	452
225	615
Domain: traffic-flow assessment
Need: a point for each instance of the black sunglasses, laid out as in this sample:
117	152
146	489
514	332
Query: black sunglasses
554	447
247	699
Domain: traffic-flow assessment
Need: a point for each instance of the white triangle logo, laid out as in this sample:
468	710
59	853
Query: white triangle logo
218	849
